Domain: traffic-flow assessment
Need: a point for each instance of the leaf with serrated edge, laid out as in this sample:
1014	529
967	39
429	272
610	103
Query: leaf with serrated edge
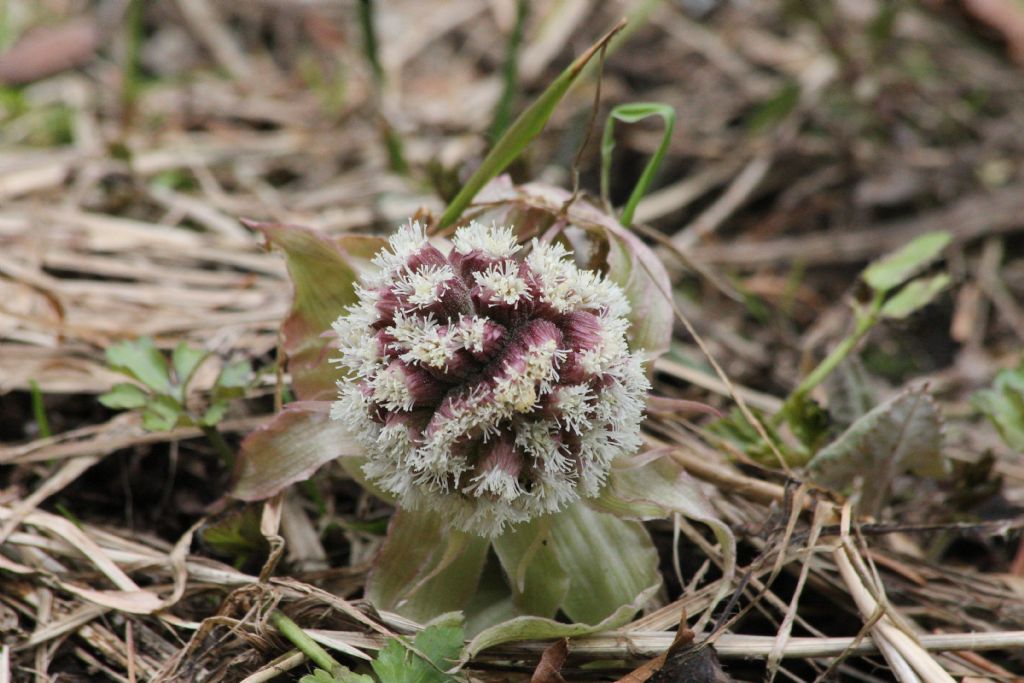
124	397
439	644
343	675
425	568
214	414
142	360
904	433
902	264
235	375
915	295
1003	404
289	448
324	273
161	414
186	360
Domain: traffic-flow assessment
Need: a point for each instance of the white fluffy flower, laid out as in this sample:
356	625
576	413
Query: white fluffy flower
487	384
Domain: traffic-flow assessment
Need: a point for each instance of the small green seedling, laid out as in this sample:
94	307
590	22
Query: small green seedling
435	650
896	293
1003	405
161	387
896	290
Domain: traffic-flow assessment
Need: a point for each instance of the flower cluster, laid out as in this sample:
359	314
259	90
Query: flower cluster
492	383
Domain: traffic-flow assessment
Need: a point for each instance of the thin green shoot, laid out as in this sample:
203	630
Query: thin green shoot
392	143
510	73
866	319
39	410
301	640
130	72
521	133
632	113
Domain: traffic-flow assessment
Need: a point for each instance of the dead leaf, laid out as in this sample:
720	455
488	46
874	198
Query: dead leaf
289	448
324	272
49	50
678	654
904	433
696	664
549	669
1006	17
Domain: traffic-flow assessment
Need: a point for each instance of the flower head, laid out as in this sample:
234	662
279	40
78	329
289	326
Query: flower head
492	383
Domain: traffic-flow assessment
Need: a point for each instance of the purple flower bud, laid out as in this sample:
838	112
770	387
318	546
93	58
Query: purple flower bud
490	385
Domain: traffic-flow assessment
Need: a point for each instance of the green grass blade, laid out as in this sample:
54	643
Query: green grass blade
392	143
39	410
368	29
522	131
510	73
131	80
631	113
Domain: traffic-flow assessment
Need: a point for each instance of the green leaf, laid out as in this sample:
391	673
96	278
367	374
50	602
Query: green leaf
890	271
849	393
214	414
904	433
440	644
237	375
634	267
395	664
610	561
289	448
492	603
425	568
811	424
775	108
538	628
342	675
652	487
915	295
1003	405
538	582
631	113
141	360
519	135
186	360
323	272
161	414
124	397
737	430
237	536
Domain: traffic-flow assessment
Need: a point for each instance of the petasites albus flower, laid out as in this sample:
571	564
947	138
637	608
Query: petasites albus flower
492	383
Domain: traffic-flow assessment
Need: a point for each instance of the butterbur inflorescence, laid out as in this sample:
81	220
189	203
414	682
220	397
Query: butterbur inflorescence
494	383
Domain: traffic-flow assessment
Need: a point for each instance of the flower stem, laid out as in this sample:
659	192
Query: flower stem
306	645
865	321
220	445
